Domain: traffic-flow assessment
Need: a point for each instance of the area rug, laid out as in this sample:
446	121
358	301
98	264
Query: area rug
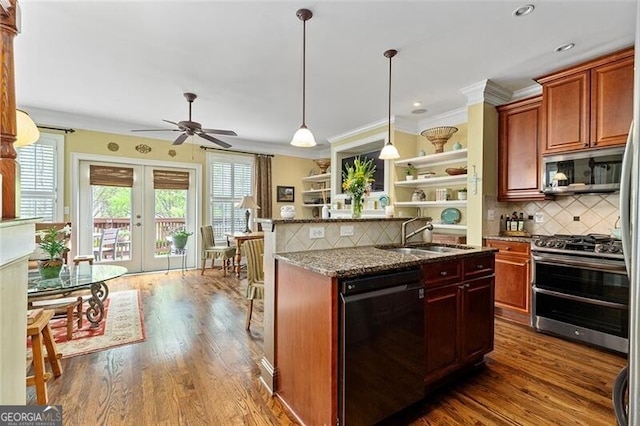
122	325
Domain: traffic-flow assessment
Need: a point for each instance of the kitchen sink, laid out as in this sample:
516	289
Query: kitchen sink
409	250
442	249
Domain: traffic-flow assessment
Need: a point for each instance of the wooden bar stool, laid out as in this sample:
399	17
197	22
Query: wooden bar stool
68	307
83	258
40	332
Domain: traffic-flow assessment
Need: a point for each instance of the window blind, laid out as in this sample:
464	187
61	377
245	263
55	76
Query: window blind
38	179
168	179
231	178
111	176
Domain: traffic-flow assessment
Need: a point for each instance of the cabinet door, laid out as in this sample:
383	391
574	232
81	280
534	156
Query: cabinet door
441	317
512	282
476	326
518	145
566	113
611	103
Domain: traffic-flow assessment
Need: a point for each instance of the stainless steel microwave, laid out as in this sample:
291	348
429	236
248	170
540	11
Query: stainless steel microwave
586	171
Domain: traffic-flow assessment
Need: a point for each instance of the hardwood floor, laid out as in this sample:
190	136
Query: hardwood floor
199	366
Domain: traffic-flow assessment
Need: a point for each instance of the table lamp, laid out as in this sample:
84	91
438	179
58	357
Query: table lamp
559	179
248	203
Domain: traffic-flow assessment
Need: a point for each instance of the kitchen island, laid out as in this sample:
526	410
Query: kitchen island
458	318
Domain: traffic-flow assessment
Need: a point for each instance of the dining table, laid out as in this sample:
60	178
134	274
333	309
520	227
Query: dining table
81	277
239	238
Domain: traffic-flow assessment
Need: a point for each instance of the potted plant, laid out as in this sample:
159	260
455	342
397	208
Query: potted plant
462	194
180	238
54	243
411	171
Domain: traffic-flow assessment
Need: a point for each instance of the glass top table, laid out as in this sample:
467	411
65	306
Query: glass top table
81	277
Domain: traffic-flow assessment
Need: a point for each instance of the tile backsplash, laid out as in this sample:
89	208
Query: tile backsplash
597	214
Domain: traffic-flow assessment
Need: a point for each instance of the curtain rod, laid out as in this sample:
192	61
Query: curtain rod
208	148
57	128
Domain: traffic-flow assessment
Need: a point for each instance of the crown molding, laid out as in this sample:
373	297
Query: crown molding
399	123
52	118
533	90
449	118
486	91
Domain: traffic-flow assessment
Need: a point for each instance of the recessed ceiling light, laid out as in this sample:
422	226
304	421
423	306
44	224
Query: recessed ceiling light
523	10
419	111
417	104
564	47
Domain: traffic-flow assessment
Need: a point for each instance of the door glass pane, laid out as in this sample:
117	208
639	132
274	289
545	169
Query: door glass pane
111	222
170	215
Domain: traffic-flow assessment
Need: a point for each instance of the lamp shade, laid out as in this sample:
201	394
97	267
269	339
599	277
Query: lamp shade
27	131
303	138
248	202
560	176
389	152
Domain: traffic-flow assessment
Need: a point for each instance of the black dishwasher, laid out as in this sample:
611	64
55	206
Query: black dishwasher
382	347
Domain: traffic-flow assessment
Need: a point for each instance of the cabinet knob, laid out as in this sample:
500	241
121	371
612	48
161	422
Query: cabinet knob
443	273
461	287
586	144
507	248
480	266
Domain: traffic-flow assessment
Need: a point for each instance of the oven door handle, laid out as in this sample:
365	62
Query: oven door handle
581	299
599	265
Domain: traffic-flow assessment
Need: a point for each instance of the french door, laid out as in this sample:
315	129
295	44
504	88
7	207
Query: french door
126	212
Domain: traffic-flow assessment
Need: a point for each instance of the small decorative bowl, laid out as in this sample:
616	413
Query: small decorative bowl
439	136
452	171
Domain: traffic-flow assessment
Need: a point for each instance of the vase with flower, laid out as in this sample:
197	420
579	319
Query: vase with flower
53	242
357	180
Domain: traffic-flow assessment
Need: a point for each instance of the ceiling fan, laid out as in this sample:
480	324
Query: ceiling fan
190	128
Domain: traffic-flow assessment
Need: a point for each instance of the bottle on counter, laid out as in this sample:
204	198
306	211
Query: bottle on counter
521	222
502	224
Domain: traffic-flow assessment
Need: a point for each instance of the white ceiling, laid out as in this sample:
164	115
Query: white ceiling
116	66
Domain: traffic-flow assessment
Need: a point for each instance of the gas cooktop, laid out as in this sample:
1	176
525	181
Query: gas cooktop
590	244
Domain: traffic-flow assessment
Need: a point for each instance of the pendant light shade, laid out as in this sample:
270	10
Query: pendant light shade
303	137
27	131
389	152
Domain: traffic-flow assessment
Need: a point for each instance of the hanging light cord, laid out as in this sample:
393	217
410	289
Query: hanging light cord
304	70
389	127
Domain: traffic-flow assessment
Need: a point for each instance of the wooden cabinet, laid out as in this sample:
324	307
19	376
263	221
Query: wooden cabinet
520	126
512	280
588	106
458	314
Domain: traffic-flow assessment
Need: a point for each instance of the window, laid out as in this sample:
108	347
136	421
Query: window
230	178
41	167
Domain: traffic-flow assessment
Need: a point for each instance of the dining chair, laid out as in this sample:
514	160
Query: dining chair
108	241
254	253
212	251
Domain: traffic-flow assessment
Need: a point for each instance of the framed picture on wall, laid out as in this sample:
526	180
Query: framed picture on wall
286	194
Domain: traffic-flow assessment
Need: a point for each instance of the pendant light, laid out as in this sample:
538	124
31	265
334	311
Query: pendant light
389	152
303	137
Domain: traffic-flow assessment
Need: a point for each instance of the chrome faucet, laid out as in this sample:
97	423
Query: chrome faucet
403	235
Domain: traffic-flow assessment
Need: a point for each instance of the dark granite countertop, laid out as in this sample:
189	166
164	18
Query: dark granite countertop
355	261
319	220
507	238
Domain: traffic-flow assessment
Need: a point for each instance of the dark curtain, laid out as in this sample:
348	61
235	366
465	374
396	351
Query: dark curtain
263	187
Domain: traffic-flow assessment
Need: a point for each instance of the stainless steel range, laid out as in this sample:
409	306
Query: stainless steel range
581	289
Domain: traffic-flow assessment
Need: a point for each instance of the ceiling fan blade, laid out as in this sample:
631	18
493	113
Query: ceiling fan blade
171	122
214	140
220	132
157	130
180	139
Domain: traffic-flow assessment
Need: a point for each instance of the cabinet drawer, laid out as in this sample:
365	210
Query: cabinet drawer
480	266
510	247
440	273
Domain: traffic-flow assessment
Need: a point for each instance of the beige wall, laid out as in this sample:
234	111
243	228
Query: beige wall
286	170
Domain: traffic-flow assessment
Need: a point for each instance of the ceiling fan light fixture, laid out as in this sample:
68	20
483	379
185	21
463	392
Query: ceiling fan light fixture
389	151
303	137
